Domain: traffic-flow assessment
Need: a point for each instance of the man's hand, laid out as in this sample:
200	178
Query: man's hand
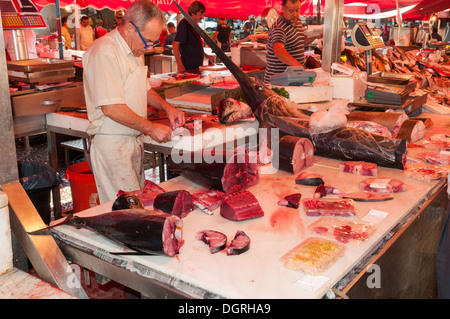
175	116
159	132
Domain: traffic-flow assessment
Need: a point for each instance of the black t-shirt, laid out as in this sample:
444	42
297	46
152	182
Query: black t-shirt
224	31
191	46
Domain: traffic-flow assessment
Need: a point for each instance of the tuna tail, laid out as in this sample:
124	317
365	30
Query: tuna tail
251	95
44	231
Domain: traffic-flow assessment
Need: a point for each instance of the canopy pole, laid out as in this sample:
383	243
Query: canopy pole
58	28
332	33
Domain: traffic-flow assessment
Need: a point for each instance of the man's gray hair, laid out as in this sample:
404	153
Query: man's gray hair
141	12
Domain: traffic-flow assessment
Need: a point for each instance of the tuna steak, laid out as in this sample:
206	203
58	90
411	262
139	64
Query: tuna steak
178	203
292	200
208	200
359	168
214	239
309	179
239	205
146	231
382	185
240	244
295	153
222	173
363	196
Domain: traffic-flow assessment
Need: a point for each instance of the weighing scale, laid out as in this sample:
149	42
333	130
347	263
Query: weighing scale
366	38
17	16
293	76
20	14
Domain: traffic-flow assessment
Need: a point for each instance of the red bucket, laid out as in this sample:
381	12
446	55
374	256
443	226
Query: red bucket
82	185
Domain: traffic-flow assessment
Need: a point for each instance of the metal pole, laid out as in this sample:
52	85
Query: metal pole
332	33
58	28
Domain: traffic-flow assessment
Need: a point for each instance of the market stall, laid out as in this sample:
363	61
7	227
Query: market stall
381	113
197	272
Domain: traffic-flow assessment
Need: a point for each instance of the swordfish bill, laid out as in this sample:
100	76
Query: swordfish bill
254	99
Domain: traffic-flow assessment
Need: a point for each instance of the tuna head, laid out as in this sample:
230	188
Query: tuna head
231	110
257	95
253	97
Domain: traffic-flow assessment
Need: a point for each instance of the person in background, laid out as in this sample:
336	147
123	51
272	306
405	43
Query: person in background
30	37
117	94
188	45
118	16
65	33
172	33
249	27
162	37
443	254
223	35
85	34
286	41
99	30
436	35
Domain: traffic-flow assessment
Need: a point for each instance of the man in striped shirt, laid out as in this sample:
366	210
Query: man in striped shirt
286	44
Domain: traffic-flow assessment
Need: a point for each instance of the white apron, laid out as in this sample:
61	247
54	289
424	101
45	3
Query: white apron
117	158
86	38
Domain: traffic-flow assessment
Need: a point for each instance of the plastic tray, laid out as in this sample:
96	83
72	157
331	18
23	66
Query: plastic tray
313	256
329	207
342	230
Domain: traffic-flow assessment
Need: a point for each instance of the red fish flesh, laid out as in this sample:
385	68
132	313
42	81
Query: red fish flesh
239	244
309	179
359	168
412	131
216	241
178	203
147	194
224	170
292	200
239	205
434	157
363	196
329	207
295	153
208	200
324	190
382	185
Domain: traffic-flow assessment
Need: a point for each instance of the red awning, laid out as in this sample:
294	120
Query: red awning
229	9
428	7
386	4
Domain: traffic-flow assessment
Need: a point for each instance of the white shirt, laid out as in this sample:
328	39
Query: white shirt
85	37
30	37
111	76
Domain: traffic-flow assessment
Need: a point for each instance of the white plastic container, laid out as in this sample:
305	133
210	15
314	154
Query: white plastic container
6	254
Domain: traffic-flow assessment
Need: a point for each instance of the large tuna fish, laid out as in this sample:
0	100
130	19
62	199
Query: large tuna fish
146	231
256	94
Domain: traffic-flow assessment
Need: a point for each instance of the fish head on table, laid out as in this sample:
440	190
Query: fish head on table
231	111
256	95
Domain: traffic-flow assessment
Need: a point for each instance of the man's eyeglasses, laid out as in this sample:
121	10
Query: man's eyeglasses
146	44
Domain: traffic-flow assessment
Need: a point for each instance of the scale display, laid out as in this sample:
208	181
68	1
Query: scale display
20	14
366	38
